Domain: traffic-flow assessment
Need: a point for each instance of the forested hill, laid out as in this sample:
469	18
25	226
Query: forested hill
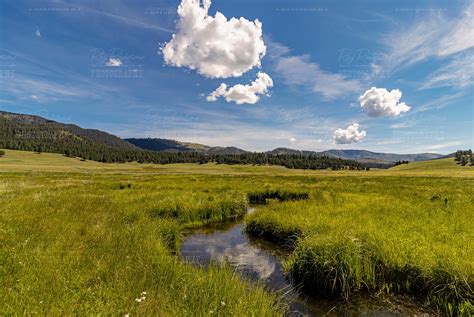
29	128
33	133
156	144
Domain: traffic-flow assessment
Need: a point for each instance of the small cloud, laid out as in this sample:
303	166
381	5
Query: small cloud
241	94
292	140
34	97
114	62
440	146
379	102
401	125
38	33
349	135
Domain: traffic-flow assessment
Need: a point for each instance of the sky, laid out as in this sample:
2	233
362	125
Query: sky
385	76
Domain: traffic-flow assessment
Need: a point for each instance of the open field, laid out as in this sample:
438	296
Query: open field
86	237
22	161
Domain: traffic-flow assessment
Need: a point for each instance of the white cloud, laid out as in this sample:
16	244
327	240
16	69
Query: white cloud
441	101
114	62
441	146
38	33
214	46
460	33
41	90
434	36
349	135
457	73
299	71
402	125
292	140
379	102
241	94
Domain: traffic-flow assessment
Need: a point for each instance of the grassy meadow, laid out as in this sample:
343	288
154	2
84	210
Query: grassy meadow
90	238
394	235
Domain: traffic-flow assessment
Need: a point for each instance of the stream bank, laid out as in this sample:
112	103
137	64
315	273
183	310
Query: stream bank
260	261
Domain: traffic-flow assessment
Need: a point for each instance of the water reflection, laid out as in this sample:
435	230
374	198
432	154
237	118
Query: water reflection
232	246
261	260
255	260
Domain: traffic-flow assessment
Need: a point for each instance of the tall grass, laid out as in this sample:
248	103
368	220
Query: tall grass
85	242
380	235
262	197
81	245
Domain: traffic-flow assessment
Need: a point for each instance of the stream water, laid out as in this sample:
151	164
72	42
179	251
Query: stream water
260	260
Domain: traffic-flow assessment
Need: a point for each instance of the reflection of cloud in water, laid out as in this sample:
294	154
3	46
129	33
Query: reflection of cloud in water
231	246
246	257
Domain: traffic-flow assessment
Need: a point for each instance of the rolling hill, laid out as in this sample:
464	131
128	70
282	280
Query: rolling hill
442	164
35	129
156	144
34	133
388	157
362	155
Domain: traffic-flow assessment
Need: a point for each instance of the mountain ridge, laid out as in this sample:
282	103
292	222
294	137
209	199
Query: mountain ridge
107	140
360	155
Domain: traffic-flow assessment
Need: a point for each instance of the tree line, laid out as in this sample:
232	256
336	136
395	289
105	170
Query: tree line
401	162
464	157
55	138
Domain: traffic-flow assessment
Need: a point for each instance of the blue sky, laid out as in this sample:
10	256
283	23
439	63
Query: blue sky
301	79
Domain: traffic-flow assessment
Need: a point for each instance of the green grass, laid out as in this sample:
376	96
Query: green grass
396	235
22	161
88	238
440	165
84	244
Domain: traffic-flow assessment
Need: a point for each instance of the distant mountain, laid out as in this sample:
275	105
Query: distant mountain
34	133
155	144
224	150
360	155
284	150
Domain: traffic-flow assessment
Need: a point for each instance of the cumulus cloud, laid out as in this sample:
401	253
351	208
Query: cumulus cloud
379	102
212	45
114	62
38	33
349	135
241	94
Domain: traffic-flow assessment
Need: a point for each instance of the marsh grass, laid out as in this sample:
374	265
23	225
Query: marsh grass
81	241
81	245
380	235
263	197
